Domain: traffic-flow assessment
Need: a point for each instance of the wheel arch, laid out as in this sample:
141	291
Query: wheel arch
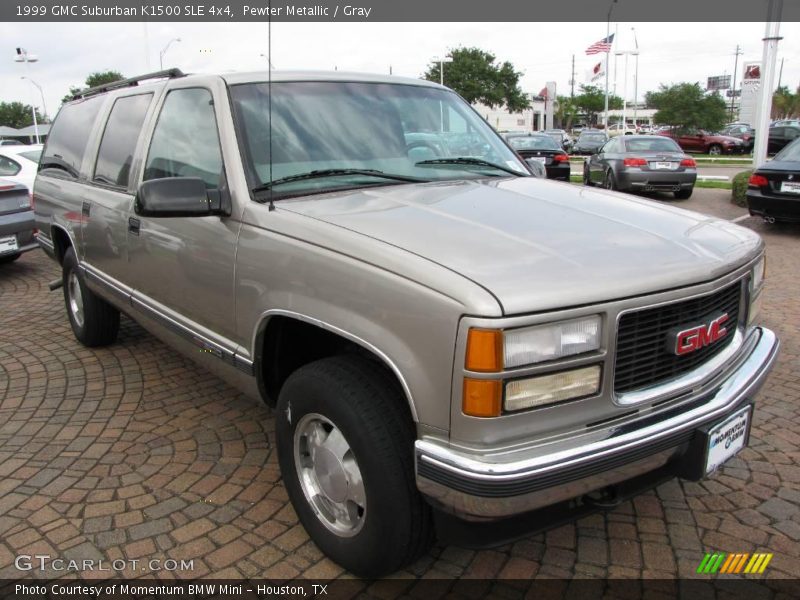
273	333
62	241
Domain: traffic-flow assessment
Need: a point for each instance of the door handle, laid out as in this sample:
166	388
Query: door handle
133	225
86	208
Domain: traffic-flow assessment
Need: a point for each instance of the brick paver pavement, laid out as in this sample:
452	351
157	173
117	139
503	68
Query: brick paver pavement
131	452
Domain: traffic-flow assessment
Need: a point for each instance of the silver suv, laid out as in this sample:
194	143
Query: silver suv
446	339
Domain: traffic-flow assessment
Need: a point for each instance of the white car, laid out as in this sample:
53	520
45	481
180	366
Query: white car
617	129
18	163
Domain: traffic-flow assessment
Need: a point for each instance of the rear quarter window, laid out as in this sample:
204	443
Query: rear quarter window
69	136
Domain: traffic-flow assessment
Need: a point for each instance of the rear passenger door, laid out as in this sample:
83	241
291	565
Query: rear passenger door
182	268
109	198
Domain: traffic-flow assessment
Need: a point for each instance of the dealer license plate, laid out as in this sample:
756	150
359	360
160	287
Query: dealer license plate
792	187
663	165
727	438
8	244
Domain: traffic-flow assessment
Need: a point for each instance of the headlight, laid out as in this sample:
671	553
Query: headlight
540	343
551	388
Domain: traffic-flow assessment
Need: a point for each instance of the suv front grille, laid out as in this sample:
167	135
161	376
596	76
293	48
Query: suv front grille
642	356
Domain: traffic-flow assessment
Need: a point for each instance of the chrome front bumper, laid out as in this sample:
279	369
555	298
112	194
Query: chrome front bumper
472	488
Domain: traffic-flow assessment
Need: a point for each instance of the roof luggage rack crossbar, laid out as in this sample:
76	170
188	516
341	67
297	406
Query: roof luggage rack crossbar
131	81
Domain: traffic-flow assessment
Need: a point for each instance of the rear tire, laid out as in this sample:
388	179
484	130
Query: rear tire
346	450
587	179
94	321
684	194
9	258
610	182
715	150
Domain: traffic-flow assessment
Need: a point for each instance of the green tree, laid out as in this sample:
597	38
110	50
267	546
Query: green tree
93	80
17	115
592	102
785	104
687	106
566	111
474	74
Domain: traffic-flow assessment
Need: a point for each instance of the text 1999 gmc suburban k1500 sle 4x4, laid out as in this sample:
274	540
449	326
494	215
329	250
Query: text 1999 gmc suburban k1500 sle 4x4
446	339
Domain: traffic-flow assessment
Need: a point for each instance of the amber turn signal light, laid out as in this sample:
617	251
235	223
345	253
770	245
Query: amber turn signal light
482	397
484	351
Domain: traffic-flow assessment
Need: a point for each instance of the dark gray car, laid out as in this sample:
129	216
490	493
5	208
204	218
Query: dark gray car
589	141
642	163
16	221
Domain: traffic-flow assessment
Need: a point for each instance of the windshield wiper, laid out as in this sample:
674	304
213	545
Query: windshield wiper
335	173
468	160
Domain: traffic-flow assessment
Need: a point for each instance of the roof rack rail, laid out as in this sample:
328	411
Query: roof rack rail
131	81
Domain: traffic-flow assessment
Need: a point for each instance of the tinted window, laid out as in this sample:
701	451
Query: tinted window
8	166
653	144
119	139
776	132
185	142
69	136
790	152
791	133
32	155
533	142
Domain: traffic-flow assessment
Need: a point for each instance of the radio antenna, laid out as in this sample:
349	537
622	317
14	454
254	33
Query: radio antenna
269	89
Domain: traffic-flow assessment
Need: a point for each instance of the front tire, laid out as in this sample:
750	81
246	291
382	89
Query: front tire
715	150
345	446
94	321
587	178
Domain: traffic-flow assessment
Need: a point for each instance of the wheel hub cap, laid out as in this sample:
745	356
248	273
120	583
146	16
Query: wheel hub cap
329	475
75	298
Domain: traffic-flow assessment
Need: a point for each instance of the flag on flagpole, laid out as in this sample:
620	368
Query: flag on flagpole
603	45
596	72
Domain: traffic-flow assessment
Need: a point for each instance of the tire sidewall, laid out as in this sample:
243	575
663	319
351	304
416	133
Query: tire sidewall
70	265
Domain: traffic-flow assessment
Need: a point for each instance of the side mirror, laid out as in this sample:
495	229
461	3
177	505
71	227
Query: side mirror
178	197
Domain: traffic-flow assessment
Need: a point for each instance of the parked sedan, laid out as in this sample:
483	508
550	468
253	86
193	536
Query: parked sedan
773	191
561	137
743	132
590	141
16	221
19	163
705	142
780	137
544	149
642	163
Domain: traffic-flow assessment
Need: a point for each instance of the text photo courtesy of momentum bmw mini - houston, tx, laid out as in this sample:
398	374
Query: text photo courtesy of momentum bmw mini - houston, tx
399	299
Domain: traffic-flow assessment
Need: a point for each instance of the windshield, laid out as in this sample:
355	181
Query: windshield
652	144
533	142
388	128
592	137
790	152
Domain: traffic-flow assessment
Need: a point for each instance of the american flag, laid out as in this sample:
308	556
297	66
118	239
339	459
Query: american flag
603	45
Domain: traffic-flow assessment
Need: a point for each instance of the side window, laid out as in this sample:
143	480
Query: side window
8	167
791	133
119	139
776	132
69	136
185	142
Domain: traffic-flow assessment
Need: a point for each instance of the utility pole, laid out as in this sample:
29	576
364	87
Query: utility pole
780	73
735	69
572	81
608	34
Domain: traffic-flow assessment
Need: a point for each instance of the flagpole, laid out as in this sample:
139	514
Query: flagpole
608	33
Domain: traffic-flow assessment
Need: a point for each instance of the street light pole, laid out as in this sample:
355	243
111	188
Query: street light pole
41	93
23	56
635	81
443	60
608	33
164	51
269	61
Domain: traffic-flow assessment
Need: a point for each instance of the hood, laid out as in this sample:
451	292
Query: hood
538	245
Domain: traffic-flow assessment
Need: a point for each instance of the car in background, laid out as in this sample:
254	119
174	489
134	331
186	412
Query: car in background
576	129
19	163
618	129
773	191
11	143
743	132
785	122
590	141
645	128
542	148
781	136
703	142
16	221
642	163
561	137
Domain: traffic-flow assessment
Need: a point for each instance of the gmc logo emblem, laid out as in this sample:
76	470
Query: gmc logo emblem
685	341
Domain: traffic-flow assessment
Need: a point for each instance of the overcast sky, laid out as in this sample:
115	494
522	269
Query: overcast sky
669	52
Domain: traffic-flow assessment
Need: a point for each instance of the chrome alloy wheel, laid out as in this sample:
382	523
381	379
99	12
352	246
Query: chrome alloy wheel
75	298
329	475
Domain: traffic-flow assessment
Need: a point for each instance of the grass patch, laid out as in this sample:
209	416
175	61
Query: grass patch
720	185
